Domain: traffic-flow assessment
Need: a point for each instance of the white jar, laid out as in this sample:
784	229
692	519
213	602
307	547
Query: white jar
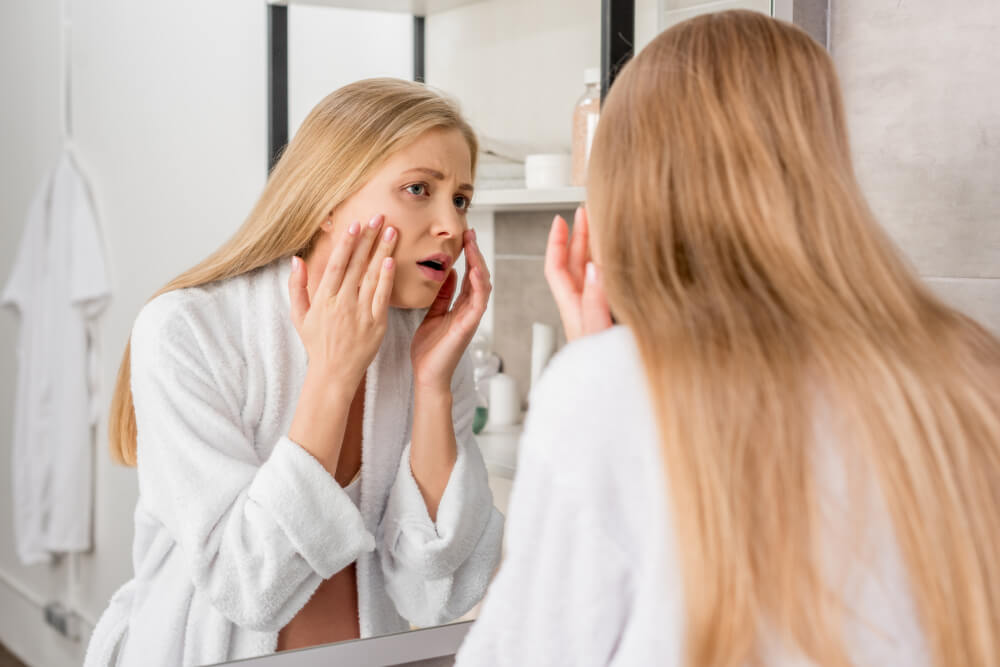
505	401
547	170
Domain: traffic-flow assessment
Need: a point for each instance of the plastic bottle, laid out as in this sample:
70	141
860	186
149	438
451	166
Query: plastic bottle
585	116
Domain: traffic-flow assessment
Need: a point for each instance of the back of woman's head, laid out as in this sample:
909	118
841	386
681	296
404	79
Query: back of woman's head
338	148
735	242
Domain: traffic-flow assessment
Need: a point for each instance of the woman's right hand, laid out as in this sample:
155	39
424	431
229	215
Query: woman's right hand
574	279
342	325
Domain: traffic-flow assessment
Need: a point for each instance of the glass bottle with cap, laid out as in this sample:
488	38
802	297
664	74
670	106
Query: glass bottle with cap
585	115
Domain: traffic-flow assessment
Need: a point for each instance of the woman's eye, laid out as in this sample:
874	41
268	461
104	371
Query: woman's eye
421	186
462	202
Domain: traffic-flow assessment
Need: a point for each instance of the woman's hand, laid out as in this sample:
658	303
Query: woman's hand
574	280
343	324
444	334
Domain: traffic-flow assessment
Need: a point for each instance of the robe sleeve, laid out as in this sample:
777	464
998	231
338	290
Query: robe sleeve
435	571
257	537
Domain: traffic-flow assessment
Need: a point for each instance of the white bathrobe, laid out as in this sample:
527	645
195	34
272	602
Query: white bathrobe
591	574
236	525
59	285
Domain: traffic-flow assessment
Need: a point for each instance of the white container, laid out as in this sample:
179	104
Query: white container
543	345
505	401
548	170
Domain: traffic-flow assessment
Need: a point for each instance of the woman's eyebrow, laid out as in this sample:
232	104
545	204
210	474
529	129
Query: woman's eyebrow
437	175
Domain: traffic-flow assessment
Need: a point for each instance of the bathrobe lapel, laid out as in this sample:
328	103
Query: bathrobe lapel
387	419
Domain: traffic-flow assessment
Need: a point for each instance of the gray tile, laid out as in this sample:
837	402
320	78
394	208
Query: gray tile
811	16
525	233
979	299
521	297
925	127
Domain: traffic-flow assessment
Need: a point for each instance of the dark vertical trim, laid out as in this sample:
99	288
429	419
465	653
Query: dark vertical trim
277	82
617	39
418	49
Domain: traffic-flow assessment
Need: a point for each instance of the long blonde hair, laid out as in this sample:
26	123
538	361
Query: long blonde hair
736	244
339	146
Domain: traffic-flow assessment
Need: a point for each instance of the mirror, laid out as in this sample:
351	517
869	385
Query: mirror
330	46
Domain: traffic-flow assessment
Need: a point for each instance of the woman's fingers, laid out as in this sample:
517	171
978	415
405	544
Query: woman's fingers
564	291
556	258
476	288
380	300
383	249
481	288
595	315
578	247
298	293
477	254
472	259
362	252
336	264
443	299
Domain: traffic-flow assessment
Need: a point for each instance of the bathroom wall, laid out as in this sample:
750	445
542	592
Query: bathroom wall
923	106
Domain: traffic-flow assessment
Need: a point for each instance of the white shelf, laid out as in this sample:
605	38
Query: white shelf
528	200
415	7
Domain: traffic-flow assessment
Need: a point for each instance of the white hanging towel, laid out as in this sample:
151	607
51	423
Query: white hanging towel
59	285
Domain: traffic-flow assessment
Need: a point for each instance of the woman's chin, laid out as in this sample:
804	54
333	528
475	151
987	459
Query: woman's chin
414	299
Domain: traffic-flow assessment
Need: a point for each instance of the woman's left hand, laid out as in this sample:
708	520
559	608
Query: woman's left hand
444	334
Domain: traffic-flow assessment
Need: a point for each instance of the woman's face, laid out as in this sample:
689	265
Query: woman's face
423	190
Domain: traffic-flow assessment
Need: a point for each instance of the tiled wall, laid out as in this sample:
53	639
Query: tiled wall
521	296
923	103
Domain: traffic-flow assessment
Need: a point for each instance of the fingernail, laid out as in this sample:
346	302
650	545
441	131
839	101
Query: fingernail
591	273
354	228
389	234
376	221
295	264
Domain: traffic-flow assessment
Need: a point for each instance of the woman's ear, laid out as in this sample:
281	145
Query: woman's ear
327	225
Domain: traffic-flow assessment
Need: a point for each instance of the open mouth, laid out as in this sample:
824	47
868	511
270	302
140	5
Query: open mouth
435	267
433	264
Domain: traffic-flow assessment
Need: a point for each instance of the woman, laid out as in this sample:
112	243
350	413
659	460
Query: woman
299	406
788	452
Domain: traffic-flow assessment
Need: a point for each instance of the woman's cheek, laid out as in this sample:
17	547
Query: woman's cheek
403	290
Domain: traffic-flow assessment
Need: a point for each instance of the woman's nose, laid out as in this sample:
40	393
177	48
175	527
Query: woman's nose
449	223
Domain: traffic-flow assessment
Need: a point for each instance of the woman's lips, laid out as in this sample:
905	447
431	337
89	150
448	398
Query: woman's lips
433	274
